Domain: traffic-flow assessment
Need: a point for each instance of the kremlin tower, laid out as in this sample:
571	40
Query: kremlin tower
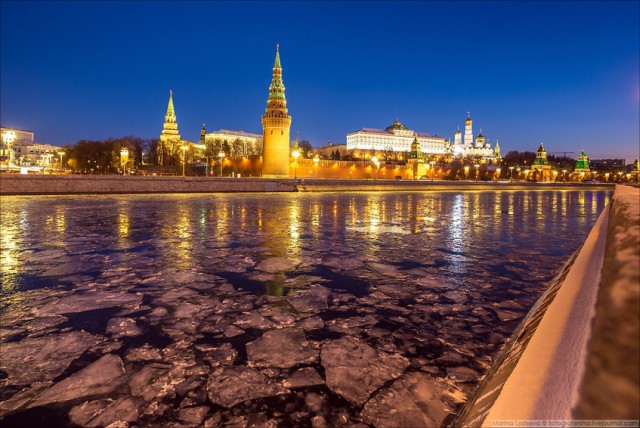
276	124
170	137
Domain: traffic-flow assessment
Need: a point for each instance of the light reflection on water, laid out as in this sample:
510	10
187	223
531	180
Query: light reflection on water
187	231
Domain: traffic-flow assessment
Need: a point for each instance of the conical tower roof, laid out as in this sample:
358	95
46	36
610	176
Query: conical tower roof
276	89
170	116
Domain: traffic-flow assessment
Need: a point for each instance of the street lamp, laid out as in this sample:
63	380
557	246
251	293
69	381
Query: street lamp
498	171
221	156
477	171
316	159
564	175
466	173
555	176
61	154
8	137
511	173
433	171
376	162
526	174
296	155
184	158
124	158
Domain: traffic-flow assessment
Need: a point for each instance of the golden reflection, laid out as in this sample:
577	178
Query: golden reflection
123	223
293	247
9	260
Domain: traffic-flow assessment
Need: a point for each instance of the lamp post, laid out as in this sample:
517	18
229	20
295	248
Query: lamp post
296	155
564	175
498	171
433	171
8	137
124	158
316	159
61	154
466	173
511	174
526	174
221	156
477	171
184	158
376	162
555	176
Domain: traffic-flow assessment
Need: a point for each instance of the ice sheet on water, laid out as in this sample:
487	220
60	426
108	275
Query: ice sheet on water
305	376
123	327
102	413
281	348
100	377
413	400
47	356
229	386
89	300
277	264
354	369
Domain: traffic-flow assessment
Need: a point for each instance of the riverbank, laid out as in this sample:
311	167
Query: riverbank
114	184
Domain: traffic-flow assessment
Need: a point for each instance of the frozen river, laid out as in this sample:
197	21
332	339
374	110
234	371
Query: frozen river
326	309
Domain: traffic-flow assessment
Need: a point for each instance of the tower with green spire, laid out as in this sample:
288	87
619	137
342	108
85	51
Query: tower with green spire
170	137
276	125
582	165
416	165
541	167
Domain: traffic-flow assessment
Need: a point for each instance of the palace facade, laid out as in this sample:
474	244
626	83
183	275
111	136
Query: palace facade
395	138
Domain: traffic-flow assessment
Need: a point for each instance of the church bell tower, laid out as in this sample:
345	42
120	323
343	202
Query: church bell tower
276	124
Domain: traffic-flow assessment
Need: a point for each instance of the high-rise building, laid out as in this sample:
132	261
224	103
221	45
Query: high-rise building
170	137
276	124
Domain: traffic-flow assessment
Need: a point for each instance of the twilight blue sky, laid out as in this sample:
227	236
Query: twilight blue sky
565	74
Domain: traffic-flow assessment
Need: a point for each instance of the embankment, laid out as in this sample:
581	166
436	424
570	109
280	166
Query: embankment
576	354
15	184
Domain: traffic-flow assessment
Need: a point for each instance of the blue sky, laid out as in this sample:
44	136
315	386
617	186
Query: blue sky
565	74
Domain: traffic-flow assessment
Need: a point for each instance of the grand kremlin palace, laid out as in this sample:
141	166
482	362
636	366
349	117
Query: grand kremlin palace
395	138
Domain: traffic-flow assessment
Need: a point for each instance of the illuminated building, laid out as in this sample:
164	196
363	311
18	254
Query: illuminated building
480	148
276	124
241	143
169	142
395	138
416	166
20	135
25	151
582	165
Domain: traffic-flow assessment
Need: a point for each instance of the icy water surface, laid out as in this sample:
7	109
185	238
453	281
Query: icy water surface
379	309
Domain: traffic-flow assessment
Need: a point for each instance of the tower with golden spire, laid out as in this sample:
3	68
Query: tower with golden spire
170	137
276	124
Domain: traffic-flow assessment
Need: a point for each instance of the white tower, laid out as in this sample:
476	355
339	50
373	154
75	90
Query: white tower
468	131
457	139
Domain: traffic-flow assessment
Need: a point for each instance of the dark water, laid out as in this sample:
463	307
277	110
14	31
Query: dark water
438	279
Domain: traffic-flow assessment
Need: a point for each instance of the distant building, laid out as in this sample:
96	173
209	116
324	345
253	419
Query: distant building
582	165
329	151
416	166
480	148
247	143
20	135
31	153
26	151
395	138
607	164
541	167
